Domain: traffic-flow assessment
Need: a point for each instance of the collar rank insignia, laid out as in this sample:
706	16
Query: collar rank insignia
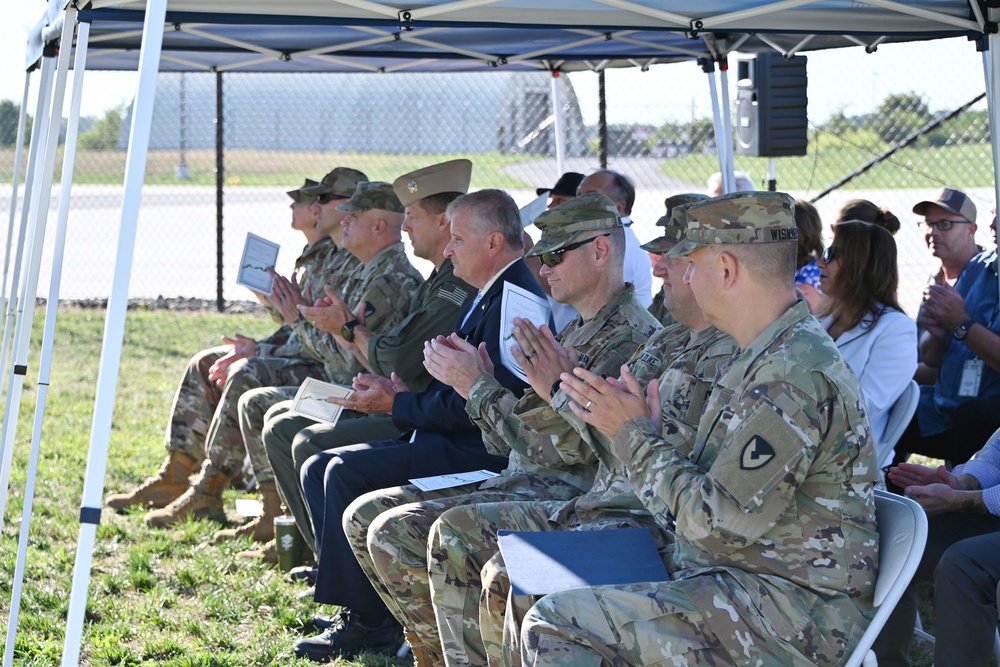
756	454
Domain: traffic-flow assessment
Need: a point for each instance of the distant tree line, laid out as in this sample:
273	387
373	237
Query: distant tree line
897	117
95	133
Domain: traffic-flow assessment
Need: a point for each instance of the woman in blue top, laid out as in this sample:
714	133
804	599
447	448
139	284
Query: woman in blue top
878	341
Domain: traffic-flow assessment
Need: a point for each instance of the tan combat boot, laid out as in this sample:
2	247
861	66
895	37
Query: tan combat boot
423	655
261	529
162	488
267	553
202	500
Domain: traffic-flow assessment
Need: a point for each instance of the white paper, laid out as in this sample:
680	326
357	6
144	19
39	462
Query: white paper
259	255
449	481
518	302
533	209
249	507
310	400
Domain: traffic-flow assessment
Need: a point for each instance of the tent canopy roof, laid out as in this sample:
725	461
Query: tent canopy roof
471	35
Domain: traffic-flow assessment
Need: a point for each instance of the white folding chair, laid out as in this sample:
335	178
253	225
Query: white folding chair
900	415
902	531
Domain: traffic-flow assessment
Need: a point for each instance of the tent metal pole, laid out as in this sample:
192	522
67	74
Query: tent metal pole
727	125
48	337
990	67
990	74
15	181
558	127
114	328
220	176
39	136
709	68
40	213
602	113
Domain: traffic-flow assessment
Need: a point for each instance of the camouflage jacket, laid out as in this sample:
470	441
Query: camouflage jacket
325	264
433	312
778	490
525	430
312	258
686	363
386	284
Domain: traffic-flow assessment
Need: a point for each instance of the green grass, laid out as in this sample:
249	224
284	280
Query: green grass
968	165
273	168
157	597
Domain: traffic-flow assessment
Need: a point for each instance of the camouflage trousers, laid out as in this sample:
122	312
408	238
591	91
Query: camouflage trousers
459	545
703	620
252	407
468	579
224	445
388	529
194	405
290	439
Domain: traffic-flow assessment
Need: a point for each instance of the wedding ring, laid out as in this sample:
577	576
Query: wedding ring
587	406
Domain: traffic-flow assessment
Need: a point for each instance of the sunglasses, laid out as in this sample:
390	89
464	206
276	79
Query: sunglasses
554	257
327	198
829	254
945	225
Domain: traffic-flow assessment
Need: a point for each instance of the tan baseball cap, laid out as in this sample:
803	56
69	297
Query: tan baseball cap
451	176
369	195
952	200
738	218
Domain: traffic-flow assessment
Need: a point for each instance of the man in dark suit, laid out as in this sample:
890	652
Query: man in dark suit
486	251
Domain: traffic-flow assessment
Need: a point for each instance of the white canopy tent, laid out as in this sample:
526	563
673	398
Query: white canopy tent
378	36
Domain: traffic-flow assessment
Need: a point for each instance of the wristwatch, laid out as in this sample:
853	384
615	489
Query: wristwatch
962	330
347	331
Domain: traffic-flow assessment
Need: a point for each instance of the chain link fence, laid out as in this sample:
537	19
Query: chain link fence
279	129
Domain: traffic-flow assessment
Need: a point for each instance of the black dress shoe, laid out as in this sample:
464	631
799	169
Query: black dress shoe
323	621
348	636
303	573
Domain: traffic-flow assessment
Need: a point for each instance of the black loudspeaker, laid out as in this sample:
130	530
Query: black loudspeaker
771	103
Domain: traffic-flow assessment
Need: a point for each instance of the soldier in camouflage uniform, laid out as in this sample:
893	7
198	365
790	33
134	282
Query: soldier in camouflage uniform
425	193
658	309
383	283
685	356
775	546
201	389
611	325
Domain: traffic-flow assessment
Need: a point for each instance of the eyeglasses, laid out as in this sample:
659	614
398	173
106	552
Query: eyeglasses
829	254
944	225
327	198
554	257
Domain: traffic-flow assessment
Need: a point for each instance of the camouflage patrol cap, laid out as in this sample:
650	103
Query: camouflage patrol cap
372	194
737	219
451	176
673	223
561	224
298	197
341	182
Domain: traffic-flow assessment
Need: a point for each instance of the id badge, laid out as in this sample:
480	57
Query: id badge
972	373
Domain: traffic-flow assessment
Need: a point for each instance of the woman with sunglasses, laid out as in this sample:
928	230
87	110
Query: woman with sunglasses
876	338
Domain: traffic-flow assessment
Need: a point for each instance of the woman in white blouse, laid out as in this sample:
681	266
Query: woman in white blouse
877	339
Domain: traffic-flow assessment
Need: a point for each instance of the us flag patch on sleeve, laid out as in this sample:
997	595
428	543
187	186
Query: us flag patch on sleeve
454	293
